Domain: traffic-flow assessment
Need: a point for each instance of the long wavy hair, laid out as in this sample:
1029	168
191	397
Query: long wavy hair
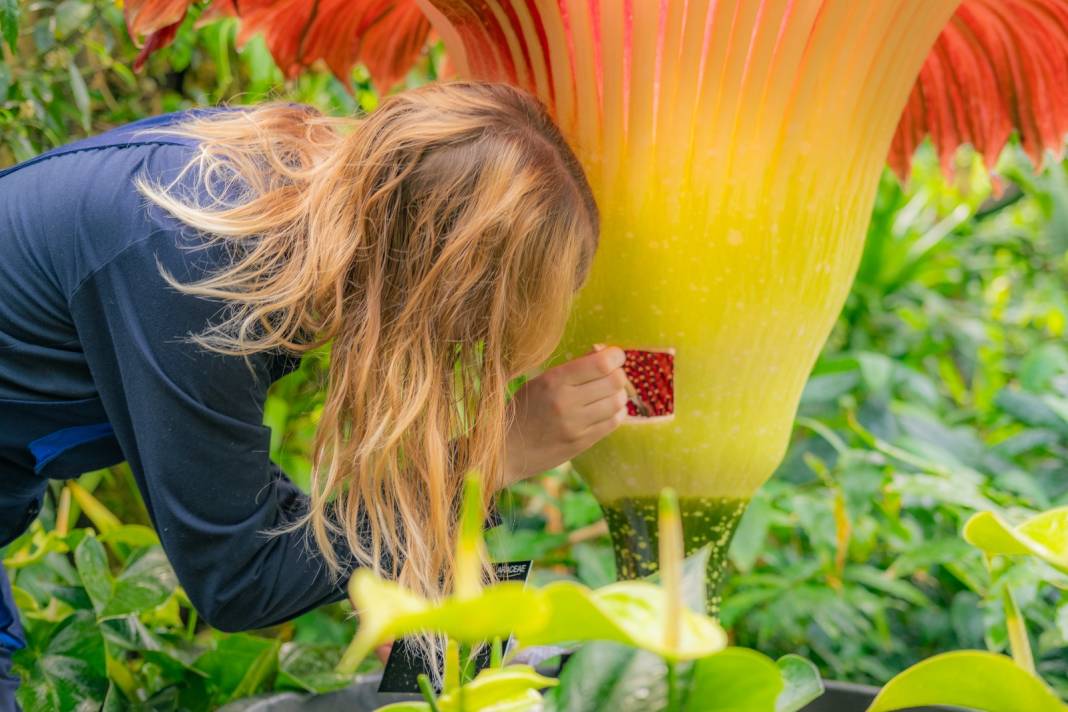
435	244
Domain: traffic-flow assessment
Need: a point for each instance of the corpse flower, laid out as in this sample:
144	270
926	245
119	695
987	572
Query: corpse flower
735	147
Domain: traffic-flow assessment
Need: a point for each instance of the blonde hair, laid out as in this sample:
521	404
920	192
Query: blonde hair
436	243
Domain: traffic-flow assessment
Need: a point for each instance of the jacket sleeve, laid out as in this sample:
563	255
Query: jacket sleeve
190	423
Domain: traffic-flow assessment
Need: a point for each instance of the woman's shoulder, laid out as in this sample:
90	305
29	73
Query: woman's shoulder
147	131
75	208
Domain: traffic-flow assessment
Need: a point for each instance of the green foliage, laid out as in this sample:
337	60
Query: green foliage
641	618
107	623
943	392
67	72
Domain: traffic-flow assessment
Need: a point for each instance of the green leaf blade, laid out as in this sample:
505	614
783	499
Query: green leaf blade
973	679
735	679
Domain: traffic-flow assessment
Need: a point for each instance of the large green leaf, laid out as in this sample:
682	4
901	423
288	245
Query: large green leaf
92	563
146	583
609	676
1044	536
631	612
240	665
734	679
68	671
309	668
801	683
974	679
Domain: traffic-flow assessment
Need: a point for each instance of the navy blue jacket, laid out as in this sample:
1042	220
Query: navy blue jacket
96	368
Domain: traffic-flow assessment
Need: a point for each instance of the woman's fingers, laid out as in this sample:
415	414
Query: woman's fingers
601	429
593	366
593	391
605	408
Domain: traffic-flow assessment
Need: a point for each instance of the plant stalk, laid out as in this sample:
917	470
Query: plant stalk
428	693
674	703
1019	642
497	653
63	513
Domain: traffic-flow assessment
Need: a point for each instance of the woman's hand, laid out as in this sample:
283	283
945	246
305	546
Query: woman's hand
564	411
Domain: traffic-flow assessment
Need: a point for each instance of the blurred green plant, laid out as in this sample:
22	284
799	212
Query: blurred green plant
943	392
978	679
66	72
685	664
108	624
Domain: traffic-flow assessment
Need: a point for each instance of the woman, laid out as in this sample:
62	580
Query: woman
156	279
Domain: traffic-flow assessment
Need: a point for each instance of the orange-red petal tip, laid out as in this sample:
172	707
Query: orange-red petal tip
1000	66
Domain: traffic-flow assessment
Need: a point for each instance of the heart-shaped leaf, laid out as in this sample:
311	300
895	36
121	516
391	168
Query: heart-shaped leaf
974	679
144	584
630	612
734	679
388	611
801	683
1044	536
511	689
240	664
609	676
67	671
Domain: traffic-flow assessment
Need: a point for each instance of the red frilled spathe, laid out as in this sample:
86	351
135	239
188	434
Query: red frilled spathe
999	66
386	35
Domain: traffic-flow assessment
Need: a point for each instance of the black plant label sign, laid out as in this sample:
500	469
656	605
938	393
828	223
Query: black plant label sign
405	664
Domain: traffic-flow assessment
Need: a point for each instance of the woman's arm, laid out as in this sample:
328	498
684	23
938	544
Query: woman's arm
190	424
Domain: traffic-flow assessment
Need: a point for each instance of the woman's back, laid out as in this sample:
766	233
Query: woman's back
96	367
63	216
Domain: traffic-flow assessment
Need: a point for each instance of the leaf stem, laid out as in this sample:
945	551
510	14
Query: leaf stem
63	513
674	698
497	653
1019	642
671	553
453	673
428	692
191	625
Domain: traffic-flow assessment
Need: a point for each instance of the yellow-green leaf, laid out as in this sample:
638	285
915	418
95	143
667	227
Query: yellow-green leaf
511	689
630	612
42	543
98	514
974	679
1044	536
135	535
388	611
470	548
734	679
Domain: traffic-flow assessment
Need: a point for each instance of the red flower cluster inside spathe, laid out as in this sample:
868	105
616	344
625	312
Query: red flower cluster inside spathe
652	378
